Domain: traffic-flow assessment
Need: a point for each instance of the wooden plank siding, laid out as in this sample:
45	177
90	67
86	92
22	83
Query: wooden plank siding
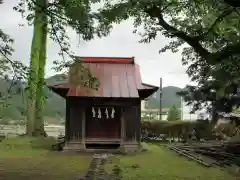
138	122
105	127
67	121
132	119
75	120
76	110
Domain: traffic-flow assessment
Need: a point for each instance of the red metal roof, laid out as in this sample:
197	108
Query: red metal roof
119	78
148	86
121	60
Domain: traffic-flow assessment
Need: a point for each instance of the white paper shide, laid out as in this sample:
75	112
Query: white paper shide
109	112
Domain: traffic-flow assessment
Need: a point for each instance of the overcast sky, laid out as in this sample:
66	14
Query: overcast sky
121	42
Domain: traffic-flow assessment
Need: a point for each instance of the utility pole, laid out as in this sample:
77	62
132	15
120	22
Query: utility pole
182	108
160	93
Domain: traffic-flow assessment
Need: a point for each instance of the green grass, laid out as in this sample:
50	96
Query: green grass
158	163
26	158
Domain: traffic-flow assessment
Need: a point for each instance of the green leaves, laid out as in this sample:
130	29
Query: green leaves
81	76
205	25
173	114
5	44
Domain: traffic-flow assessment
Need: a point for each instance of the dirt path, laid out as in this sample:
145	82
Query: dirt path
96	168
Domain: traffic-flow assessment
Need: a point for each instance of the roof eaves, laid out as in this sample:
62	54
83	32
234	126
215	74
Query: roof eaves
111	59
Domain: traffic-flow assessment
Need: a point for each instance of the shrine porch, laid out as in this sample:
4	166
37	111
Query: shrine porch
116	130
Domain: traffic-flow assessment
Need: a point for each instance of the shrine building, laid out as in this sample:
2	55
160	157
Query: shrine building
109	118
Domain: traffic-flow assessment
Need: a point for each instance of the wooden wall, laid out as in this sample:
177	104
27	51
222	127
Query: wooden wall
75	112
132	117
106	128
74	117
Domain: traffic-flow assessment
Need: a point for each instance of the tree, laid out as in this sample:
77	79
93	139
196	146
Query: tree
12	71
10	112
5	43
53	17
217	87
174	114
5	50
209	27
40	97
233	3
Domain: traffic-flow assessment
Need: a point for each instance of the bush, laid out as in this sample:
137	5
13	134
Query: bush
4	121
27	143
178	129
174	113
226	130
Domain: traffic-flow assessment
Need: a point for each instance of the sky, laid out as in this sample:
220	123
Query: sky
120	43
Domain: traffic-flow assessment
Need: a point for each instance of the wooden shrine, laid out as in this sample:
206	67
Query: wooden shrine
110	117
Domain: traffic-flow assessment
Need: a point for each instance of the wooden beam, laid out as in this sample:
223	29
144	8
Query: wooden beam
122	127
83	126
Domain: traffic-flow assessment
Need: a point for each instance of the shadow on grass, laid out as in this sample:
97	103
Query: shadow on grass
23	145
28	158
157	162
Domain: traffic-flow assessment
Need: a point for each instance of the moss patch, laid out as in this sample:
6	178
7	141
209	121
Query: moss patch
26	158
160	163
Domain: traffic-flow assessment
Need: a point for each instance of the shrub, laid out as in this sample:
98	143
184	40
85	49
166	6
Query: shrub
225	129
4	121
28	143
178	128
174	113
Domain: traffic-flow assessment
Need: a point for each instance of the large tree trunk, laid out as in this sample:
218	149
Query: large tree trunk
40	98
34	66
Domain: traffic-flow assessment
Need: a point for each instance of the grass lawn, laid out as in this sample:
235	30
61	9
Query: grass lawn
158	163
25	158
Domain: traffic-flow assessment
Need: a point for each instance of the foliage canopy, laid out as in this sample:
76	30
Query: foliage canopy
206	30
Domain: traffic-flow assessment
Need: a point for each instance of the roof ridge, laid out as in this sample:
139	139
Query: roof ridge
115	60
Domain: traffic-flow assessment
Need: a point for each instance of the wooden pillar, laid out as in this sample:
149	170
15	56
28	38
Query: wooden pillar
122	126
67	121
83	126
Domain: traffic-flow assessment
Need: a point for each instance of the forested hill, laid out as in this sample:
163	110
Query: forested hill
169	98
16	103
55	105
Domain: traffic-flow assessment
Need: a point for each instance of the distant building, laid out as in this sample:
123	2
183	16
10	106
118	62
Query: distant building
153	113
187	115
143	105
185	110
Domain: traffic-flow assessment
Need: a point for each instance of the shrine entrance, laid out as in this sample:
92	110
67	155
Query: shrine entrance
103	123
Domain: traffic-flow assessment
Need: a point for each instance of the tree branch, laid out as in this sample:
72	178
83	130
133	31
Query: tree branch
233	3
226	52
62	49
194	42
217	20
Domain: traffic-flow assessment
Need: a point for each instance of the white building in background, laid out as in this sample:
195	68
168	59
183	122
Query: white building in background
185	112
152	113
143	105
187	115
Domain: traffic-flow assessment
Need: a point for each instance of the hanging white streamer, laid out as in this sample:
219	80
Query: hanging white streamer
93	112
99	113
113	111
106	111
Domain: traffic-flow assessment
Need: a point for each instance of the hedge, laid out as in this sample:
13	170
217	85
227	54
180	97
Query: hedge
181	129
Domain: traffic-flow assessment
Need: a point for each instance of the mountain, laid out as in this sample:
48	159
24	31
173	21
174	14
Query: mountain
169	98
14	106
55	105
